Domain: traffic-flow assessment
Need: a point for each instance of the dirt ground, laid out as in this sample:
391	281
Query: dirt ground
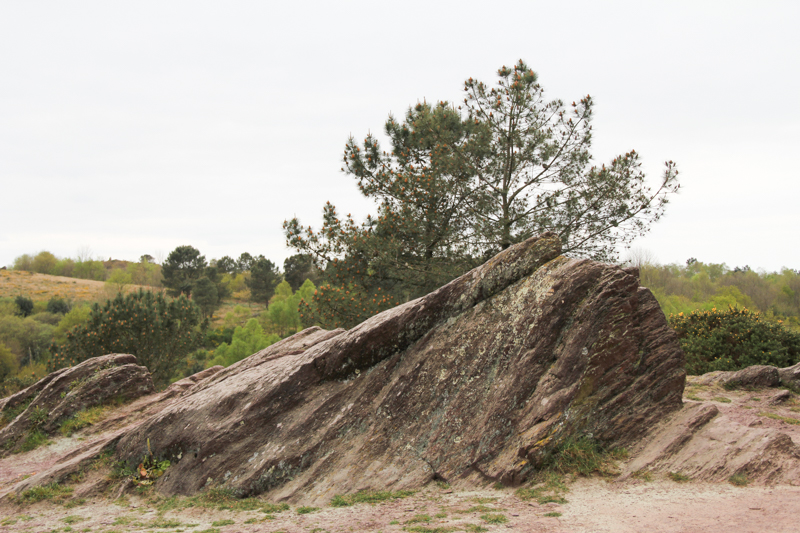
593	505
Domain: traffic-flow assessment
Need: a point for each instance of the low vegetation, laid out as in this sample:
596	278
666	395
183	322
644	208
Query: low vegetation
369	497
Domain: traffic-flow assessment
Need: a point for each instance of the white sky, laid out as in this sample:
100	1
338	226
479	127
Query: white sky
136	127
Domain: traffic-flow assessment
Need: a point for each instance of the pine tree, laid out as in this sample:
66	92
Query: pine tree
158	332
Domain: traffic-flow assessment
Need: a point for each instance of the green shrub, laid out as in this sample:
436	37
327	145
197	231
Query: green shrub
157	331
24	306
58	306
733	339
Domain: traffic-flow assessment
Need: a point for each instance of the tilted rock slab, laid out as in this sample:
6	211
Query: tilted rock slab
52	400
472	383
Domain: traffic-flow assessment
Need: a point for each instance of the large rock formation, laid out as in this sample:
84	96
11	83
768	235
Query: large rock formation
474	382
51	401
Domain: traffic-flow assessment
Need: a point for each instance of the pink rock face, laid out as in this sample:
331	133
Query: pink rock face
51	401
472	383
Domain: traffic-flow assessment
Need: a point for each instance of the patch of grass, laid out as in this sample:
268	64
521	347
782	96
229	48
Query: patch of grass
393	523
38	416
552	514
678	477
221	499
10	414
368	496
754	399
270	508
442	484
425	529
549	489
72	519
644	475
416	519
210	530
82	419
786	419
498	486
484	500
721	399
475	527
8	522
738	480
694	397
583	456
33	440
54	492
494	518
306	510
75	502
225	522
163	523
440	514
121	521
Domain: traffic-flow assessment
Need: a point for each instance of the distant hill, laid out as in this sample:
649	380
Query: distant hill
44	287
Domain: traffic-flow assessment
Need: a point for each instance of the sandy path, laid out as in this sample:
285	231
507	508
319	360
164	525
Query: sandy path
666	506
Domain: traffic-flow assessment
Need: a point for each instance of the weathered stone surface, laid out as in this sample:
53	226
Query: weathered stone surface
58	396
757	376
790	375
471	383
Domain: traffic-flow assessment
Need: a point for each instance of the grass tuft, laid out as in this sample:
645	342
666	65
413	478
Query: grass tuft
368	496
494	518
738	480
54	492
82	419
306	510
678	477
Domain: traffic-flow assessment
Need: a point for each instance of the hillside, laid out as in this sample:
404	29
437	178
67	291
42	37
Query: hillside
44	287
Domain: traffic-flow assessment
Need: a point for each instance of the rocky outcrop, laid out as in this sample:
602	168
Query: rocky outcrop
752	377
472	383
47	404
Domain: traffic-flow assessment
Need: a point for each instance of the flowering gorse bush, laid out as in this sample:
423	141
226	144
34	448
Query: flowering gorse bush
733	339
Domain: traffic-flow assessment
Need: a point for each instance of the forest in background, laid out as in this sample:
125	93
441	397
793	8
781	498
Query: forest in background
34	321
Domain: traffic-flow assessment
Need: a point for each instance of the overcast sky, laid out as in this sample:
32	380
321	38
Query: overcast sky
136	127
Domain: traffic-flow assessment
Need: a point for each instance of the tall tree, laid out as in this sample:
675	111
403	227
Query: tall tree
460	185
206	297
264	277
298	268
537	175
183	267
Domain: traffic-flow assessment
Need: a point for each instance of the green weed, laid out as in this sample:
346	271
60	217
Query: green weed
721	399
786	419
475	528
225	522
416	519
82	419
33	440
678	477
270	508
494	518
368	496
738	480
72	519
55	492
583	456
552	513
306	510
